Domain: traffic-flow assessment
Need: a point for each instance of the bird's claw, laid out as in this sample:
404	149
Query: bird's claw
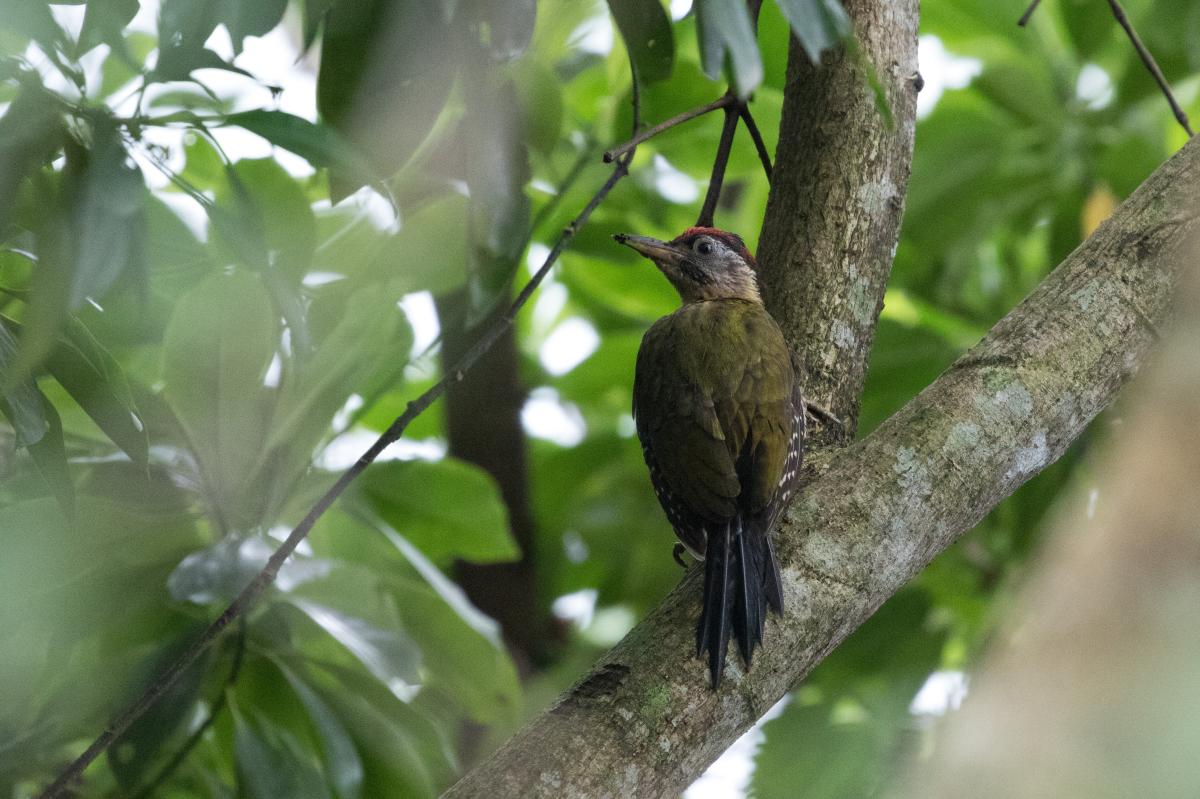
677	553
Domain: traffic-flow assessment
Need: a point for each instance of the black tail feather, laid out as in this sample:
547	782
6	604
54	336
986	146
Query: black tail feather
741	579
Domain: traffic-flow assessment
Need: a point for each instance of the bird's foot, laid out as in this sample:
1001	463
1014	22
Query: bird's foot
677	553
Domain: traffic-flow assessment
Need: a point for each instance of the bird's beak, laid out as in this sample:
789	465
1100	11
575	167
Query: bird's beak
660	252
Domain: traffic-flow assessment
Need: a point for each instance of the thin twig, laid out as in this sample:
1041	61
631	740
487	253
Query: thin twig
732	112
266	577
709	209
1024	20
215	709
721	102
1143	53
756	134
1150	63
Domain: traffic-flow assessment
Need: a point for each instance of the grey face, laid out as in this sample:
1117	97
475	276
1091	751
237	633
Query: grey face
700	267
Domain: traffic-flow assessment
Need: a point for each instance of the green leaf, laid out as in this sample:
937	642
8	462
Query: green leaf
362	345
21	404
244	19
726	32
387	653
402	752
74	580
818	24
109	222
430	252
183	28
218	573
95	380
540	94
646	29
132	757
343	766
386	71
318	144
474	672
449	509
32	19
271	761
218	345
89	231
31	130
264	217
497	169
49	454
104	22
314	12
505	27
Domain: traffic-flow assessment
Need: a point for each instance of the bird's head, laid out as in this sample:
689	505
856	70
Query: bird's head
702	264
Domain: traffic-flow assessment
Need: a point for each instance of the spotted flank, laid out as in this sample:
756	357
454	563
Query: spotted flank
721	420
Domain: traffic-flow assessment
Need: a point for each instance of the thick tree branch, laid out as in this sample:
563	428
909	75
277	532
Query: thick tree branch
837	197
1103	643
644	723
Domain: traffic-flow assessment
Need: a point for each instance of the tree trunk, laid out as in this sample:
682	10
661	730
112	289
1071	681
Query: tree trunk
483	427
833	217
644	723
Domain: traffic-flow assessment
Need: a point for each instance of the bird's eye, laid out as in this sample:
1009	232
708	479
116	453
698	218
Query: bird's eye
704	247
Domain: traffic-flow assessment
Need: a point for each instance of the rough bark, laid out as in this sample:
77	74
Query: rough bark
833	217
1103	647
643	723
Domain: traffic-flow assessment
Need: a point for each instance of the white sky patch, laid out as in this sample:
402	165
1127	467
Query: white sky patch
536	256
626	426
575	547
941	70
729	777
680	8
942	692
342	418
422	315
547	417
187	209
1094	87
609	625
578	607
673	185
551	299
274	372
595	35
568	345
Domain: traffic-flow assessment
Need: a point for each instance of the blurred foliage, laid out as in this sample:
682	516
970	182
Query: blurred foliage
204	312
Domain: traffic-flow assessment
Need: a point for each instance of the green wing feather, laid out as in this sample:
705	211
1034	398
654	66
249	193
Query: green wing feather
712	399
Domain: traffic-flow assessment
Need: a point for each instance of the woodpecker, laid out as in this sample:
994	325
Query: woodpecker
719	412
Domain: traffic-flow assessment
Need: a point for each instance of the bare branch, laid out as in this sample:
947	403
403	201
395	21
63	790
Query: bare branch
215	709
1143	53
724	147
763	154
1151	64
1024	20
649	133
